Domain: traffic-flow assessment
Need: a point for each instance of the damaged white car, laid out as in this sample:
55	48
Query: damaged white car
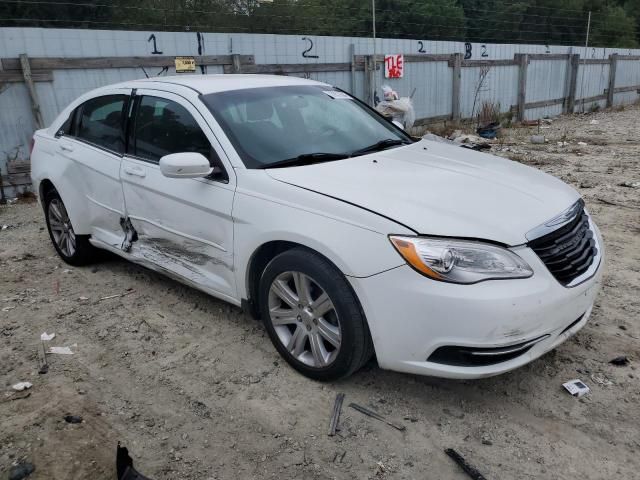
345	235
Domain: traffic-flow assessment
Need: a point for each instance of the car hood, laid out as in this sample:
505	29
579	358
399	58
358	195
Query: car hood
439	189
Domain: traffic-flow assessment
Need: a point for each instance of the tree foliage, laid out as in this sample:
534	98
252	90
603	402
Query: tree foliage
615	23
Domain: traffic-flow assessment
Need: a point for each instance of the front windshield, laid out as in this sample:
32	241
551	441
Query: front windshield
273	124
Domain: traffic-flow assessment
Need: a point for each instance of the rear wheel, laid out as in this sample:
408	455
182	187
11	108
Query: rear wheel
313	316
73	249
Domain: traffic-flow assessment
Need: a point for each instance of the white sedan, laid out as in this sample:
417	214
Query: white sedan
348	237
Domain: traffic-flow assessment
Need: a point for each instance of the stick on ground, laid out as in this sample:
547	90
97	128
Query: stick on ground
469	469
335	417
377	416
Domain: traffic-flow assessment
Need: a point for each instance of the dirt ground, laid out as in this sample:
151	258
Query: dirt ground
195	390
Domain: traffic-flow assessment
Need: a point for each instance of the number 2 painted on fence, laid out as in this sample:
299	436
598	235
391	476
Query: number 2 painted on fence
305	53
421	47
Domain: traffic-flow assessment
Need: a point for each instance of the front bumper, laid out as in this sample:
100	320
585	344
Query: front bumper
411	316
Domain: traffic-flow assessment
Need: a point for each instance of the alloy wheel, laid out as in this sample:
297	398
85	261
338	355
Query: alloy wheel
304	319
61	228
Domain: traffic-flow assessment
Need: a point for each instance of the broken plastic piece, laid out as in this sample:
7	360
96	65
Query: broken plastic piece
45	337
621	361
130	234
464	465
21	471
124	466
20	386
576	388
62	350
73	419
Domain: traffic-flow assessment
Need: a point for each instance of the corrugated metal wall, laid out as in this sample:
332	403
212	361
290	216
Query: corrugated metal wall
431	82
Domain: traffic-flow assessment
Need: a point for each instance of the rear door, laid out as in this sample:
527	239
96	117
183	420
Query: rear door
184	226
94	139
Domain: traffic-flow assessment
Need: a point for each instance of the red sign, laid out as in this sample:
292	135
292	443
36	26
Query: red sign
393	66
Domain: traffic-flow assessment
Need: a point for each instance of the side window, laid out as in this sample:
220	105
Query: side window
163	127
67	127
101	122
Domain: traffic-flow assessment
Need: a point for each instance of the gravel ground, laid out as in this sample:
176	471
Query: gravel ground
195	390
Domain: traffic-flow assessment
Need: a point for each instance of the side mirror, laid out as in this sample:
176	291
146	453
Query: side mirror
398	124
185	165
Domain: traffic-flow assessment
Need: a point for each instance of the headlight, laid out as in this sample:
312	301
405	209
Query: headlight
460	261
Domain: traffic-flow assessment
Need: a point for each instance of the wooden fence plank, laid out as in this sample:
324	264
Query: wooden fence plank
574	63
612	78
33	95
455	89
523	63
17	77
60	63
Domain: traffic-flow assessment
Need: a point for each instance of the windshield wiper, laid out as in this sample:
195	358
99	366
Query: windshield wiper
306	159
381	145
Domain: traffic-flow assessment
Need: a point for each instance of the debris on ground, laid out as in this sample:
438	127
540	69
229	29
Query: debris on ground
377	416
594	122
73	419
538	139
62	350
124	466
23	470
600	379
621	361
462	463
117	295
335	416
582	144
45	337
576	388
629	184
20	386
489	131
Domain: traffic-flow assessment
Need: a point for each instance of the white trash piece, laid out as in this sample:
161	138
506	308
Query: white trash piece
18	387
45	337
576	388
62	350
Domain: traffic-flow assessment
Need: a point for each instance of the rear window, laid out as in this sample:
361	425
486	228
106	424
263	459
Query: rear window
101	122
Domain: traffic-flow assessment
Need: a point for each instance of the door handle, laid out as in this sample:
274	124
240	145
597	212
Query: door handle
68	147
136	171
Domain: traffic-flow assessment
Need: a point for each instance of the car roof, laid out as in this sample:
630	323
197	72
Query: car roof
205	84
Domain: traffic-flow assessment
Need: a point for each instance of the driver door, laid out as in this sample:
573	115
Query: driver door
183	226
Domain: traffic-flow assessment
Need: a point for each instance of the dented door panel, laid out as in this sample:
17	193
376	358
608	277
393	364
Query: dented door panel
181	225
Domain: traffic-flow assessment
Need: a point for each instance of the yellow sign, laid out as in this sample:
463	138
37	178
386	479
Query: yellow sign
185	64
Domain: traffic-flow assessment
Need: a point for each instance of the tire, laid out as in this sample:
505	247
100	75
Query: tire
73	249
323	340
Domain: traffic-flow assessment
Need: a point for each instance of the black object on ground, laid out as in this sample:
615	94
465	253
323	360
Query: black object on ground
489	131
469	469
73	419
621	361
377	416
21	471
335	417
124	466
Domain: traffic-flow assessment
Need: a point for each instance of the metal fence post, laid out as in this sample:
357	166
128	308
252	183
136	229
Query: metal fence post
455	90
522	60
574	62
370	71
613	64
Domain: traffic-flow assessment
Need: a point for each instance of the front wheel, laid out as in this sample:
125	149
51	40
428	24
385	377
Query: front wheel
313	316
73	249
